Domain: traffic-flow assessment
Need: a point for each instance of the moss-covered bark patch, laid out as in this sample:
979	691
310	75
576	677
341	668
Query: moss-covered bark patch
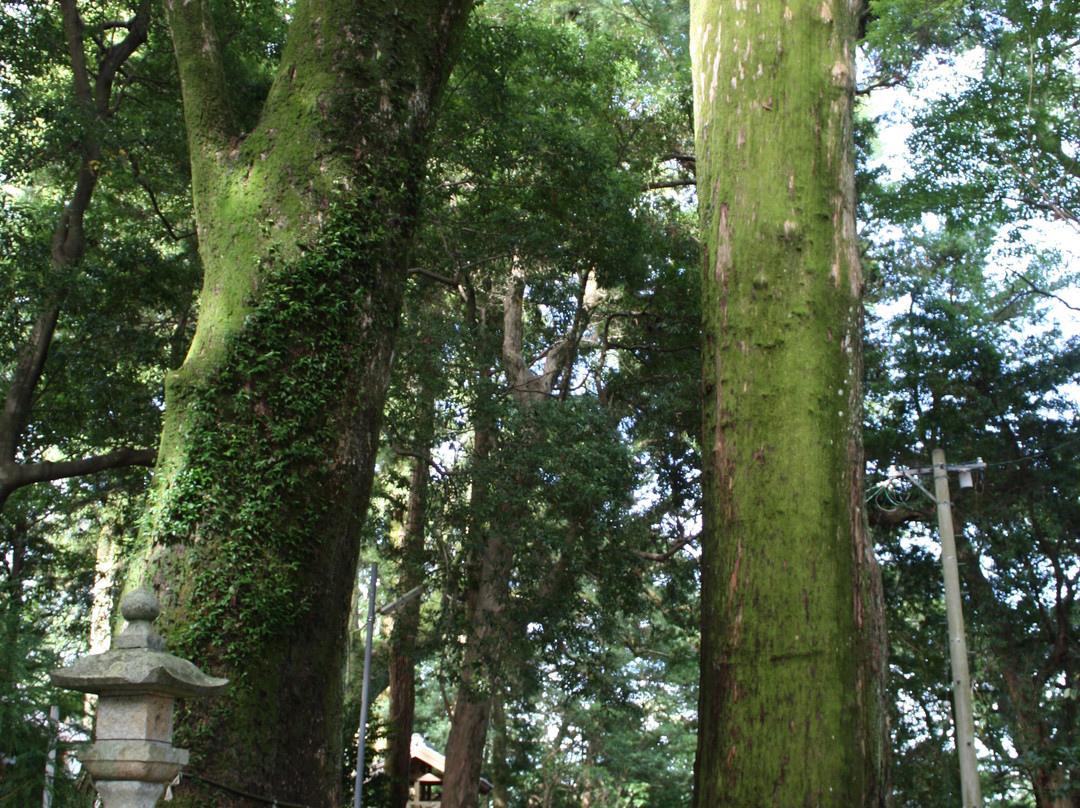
785	713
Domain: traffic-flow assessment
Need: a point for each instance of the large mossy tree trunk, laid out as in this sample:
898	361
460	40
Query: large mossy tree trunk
792	647
268	446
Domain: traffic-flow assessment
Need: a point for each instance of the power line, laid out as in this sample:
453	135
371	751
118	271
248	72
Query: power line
1031	457
894	474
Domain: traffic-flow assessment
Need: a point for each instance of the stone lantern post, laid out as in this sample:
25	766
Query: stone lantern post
132	758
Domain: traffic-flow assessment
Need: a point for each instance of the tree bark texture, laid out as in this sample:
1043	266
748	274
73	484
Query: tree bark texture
486	632
268	446
501	773
792	634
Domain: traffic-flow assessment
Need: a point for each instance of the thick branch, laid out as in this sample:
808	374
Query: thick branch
17	475
558	358
425	458
686	182
68	238
209	118
20	391
435	276
115	57
564	355
73	30
14	476
526	384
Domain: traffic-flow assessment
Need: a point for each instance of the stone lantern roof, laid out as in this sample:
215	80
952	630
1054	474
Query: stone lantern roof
137	662
132	757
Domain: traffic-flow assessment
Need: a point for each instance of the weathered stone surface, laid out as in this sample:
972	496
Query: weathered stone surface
144	717
147	761
137	663
137	671
129	793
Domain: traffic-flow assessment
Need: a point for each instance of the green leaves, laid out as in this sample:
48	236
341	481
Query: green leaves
1000	145
967	360
541	246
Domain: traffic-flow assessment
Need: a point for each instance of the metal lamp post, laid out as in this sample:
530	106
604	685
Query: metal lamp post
358	785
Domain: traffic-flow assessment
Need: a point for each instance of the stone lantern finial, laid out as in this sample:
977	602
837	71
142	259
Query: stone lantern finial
132	758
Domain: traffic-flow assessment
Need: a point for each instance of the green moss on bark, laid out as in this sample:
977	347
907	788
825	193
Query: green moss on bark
254	528
786	668
268	445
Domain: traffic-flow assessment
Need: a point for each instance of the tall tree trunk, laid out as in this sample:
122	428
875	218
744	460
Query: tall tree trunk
792	634
486	634
500	753
403	638
488	631
107	575
268	446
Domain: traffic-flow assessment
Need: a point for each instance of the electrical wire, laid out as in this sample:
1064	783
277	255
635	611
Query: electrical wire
1031	457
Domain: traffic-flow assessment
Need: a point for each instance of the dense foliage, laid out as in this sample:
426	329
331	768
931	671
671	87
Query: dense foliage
98	275
971	277
546	380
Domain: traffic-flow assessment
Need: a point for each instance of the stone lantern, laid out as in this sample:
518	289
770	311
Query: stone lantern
132	758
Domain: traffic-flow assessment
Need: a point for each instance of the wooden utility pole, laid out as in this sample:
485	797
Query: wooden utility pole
963	715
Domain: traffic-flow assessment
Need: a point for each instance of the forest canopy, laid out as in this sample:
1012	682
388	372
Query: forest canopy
449	302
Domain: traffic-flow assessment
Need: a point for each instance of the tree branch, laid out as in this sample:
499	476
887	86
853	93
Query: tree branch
1055	207
423	457
882	83
686	182
14	476
1046	293
154	203
73	30
16	412
17	475
673	548
435	276
209	118
625	346
117	55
